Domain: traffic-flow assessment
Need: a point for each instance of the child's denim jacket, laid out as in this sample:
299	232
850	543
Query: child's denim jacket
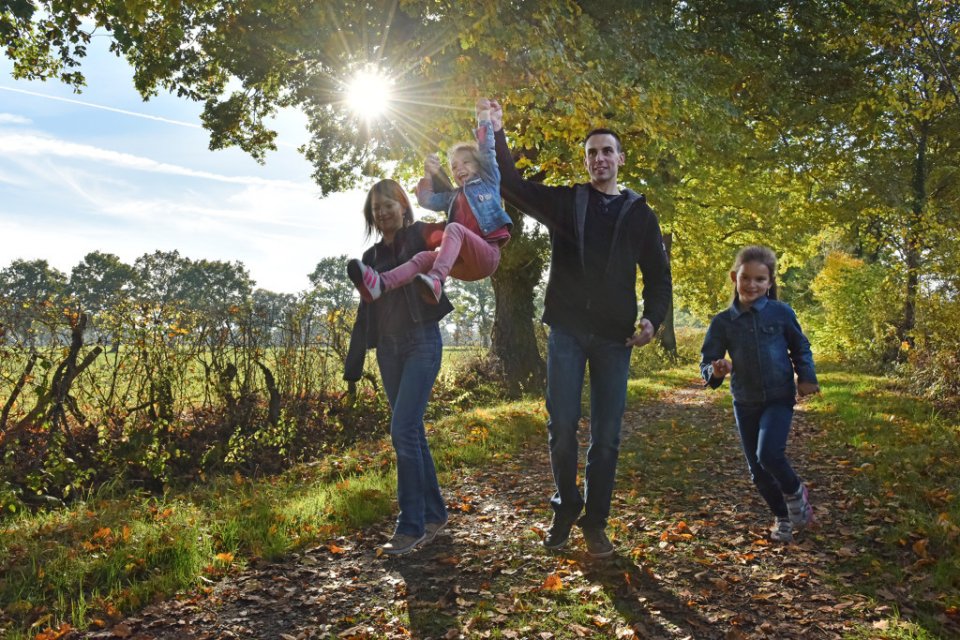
766	346
482	192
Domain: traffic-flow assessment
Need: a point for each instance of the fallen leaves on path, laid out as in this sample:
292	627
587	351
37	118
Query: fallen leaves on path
694	559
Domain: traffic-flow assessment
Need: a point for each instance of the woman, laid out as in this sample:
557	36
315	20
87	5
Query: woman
405	331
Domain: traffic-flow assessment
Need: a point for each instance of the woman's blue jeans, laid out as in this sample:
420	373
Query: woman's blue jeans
567	357
764	428
409	365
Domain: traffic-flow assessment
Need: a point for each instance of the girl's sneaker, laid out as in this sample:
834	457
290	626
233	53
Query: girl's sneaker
782	530
798	506
366	280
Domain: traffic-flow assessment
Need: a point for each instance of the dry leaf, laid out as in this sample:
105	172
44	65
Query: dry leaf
552	583
920	547
122	630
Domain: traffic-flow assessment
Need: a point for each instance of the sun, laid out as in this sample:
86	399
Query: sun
368	93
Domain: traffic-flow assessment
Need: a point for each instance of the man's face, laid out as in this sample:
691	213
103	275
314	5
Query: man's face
602	158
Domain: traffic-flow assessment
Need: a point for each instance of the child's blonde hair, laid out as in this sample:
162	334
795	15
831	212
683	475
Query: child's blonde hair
468	147
763	255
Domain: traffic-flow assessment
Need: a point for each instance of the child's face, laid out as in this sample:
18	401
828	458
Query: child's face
387	214
464	167
753	281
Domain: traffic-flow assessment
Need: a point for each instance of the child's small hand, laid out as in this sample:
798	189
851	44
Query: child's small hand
483	109
496	115
431	165
807	388
721	368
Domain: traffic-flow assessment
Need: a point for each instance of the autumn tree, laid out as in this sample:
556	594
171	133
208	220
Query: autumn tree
765	124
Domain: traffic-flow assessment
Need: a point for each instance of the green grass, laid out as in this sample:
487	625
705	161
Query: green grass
108	555
903	458
896	458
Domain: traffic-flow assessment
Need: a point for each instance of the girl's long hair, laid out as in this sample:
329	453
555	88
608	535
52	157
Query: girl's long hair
386	188
763	255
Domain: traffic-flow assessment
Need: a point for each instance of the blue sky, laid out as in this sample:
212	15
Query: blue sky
130	177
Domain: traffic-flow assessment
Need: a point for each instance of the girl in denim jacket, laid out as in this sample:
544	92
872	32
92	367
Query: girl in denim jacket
477	226
766	347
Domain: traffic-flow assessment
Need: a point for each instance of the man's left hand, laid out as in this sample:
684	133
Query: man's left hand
645	335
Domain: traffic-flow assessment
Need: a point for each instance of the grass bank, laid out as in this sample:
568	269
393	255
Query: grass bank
110	554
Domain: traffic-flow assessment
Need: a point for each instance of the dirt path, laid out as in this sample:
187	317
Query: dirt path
692	562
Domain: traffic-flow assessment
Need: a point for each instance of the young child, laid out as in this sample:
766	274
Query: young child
766	346
476	228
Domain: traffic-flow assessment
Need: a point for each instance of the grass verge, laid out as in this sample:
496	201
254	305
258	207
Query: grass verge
890	459
87	565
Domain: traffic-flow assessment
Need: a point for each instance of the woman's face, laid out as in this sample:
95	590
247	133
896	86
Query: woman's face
387	214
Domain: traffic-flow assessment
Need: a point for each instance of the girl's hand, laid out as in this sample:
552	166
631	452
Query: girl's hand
496	115
483	109
807	388
431	165
721	368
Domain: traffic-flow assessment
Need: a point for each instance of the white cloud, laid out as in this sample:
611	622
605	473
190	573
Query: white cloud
278	233
83	103
11	118
60	200
23	145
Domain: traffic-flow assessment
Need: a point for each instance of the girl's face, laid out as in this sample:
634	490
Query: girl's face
464	167
753	281
387	214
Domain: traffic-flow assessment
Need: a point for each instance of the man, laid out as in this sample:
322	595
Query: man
599	235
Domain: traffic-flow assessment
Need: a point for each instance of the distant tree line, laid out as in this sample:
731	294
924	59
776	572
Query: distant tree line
108	367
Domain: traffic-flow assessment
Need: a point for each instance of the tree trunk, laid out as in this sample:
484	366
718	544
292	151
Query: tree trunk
514	341
668	334
913	237
273	414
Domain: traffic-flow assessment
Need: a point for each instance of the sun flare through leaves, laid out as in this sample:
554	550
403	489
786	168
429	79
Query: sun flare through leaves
368	93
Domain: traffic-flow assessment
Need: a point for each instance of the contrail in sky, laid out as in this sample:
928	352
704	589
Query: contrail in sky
103	107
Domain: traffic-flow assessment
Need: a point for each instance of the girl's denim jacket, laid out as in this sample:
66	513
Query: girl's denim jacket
766	346
482	191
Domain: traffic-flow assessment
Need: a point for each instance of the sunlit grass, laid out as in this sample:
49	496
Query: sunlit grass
104	556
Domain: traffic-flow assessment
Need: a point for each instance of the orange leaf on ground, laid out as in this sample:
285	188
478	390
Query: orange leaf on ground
102	533
226	558
332	548
552	583
920	547
54	634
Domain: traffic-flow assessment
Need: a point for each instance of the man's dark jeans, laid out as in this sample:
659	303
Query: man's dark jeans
568	355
